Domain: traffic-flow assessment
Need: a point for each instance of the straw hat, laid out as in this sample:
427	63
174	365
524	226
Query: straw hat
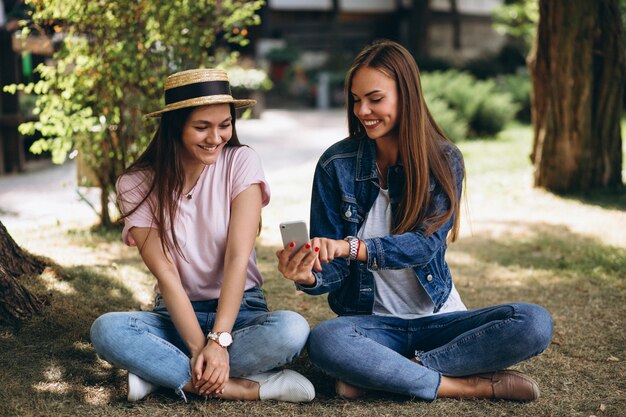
198	87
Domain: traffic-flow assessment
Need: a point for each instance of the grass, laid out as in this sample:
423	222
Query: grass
518	244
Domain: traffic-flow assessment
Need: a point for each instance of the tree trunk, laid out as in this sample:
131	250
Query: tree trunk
577	68
105	216
16	302
15	260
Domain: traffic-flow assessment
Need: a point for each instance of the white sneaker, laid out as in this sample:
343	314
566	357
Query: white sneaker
138	388
285	385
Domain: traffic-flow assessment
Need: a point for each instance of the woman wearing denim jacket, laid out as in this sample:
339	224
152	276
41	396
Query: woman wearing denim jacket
385	200
192	205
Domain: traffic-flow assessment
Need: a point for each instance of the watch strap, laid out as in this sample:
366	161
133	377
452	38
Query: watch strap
354	247
216	338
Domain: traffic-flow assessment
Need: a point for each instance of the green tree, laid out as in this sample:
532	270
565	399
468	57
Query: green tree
110	67
518	18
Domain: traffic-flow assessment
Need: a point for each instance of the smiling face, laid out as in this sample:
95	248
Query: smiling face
206	131
375	98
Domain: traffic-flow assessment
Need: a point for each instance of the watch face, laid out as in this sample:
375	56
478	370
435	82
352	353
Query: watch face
225	339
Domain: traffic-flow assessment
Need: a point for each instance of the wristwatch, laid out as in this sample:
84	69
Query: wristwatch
354	247
224	339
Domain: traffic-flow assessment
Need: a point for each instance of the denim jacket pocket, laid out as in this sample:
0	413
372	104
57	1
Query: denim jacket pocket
350	211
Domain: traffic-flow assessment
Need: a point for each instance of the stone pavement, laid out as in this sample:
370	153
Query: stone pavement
289	143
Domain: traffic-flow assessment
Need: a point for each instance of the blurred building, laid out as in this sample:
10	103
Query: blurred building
452	30
307	45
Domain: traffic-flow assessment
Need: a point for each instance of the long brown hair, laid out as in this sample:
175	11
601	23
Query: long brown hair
421	141
163	165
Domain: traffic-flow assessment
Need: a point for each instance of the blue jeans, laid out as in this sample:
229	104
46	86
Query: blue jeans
373	352
148	345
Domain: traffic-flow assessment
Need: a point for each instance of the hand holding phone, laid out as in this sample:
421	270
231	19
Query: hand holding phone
300	271
294	232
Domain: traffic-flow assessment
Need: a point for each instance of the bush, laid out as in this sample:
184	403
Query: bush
479	104
493	114
519	88
449	120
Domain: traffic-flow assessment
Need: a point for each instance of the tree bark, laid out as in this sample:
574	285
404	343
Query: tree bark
577	66
15	260
16	302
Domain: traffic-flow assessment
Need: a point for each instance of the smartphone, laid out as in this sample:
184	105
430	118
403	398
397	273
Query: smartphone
294	232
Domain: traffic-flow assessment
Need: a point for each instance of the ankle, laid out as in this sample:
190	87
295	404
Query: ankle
464	387
348	391
247	389
236	389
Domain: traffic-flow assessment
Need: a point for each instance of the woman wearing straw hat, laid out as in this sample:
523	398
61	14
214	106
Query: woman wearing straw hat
192	205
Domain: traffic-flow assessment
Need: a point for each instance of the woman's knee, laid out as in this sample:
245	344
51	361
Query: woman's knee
326	339
292	329
105	330
537	326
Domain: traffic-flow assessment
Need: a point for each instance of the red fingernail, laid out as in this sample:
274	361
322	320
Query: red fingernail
292	244
308	246
317	249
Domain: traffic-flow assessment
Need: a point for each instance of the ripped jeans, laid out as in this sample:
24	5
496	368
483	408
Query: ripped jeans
148	345
374	352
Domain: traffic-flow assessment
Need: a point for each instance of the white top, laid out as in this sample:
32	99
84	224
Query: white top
398	291
202	222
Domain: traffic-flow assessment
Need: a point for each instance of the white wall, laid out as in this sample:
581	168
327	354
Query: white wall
301	4
475	7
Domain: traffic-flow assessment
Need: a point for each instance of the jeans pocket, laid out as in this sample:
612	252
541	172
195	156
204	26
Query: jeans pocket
254	300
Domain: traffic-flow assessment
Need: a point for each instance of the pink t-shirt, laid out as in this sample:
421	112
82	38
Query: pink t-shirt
202	223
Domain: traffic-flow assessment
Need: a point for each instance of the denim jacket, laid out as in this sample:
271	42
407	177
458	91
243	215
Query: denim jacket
345	187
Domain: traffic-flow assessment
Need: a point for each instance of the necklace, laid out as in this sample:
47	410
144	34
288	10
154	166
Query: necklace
189	194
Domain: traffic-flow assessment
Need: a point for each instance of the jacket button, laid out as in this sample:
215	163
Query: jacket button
348	213
429	277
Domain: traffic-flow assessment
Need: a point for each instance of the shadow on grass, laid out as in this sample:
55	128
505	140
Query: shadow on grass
579	279
49	359
615	200
48	366
550	248
582	282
